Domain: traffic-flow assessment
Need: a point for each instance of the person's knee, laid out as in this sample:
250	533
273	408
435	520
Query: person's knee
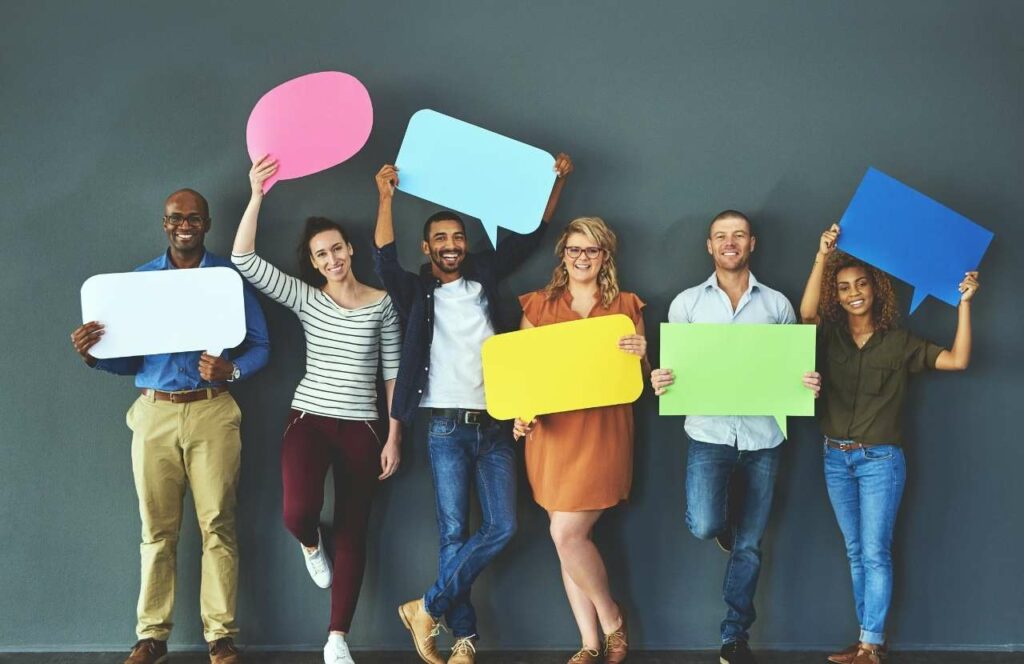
565	535
703	527
502	533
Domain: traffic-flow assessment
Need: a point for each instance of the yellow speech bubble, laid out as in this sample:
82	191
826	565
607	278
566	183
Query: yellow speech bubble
560	367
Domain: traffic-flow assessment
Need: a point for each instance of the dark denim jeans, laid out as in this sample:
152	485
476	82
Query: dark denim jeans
865	487
460	454
709	471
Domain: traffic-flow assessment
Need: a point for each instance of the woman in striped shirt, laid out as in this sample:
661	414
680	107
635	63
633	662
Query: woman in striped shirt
350	329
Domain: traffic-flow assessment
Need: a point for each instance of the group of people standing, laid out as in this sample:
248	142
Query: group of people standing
424	333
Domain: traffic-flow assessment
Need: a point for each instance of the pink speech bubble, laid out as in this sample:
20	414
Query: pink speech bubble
309	124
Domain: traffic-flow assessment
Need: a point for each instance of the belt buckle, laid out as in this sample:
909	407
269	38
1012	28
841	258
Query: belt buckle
472	417
845	447
173	397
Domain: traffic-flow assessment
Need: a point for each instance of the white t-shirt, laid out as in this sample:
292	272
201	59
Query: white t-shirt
461	326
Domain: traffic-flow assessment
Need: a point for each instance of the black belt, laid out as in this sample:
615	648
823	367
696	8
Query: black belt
462	415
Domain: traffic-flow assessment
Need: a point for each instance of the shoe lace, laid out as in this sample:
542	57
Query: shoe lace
464	646
223	643
582	654
340	647
438	628
614	640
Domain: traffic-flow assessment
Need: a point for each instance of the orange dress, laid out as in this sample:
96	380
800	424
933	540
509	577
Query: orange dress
582	459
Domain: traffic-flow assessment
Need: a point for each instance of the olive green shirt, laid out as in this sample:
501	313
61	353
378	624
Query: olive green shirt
864	388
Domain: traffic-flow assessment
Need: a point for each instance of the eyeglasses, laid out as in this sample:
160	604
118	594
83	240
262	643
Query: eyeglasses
178	220
591	252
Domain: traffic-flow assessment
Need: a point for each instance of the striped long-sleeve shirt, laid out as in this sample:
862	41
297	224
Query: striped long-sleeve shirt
343	346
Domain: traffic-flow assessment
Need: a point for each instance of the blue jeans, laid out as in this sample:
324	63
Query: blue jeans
865	487
459	454
709	472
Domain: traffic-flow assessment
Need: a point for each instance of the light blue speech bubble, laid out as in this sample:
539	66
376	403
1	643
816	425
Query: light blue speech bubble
903	232
500	181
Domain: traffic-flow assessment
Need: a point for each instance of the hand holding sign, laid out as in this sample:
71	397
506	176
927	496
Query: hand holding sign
537	371
912	237
310	123
141	313
496	179
737	370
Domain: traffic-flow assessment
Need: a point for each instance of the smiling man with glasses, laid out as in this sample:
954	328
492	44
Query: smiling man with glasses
185	428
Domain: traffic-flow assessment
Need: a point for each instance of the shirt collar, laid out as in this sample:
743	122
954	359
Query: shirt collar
712	282
166	264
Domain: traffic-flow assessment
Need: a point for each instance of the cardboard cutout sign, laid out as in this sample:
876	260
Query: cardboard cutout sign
310	124
737	369
560	367
500	181
165	311
910	236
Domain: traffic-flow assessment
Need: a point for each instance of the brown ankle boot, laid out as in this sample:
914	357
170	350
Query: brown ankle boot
148	651
424	630
616	644
846	655
868	655
585	656
223	651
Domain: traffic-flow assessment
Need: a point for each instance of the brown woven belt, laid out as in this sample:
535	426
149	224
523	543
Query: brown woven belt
184	397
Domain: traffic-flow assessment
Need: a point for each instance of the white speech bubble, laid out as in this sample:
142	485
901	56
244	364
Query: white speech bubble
165	311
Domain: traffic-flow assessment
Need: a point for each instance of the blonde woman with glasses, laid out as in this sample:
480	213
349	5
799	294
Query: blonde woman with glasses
580	463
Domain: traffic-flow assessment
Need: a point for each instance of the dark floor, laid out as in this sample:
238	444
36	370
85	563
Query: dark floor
650	657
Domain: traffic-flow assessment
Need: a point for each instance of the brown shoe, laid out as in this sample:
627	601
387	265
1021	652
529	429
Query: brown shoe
148	651
424	630
846	655
868	655
616	644
223	651
585	656
463	652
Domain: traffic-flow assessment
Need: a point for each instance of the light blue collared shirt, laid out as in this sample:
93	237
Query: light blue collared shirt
708	303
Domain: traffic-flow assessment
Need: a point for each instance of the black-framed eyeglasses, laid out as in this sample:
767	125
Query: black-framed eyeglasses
179	219
591	252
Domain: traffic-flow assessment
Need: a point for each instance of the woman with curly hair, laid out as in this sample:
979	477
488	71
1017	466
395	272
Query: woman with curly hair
868	359
580	463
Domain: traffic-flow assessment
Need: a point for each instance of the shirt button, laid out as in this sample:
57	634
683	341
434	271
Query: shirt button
420	391
426	368
181	370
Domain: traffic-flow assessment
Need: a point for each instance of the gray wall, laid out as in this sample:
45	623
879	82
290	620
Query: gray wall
672	112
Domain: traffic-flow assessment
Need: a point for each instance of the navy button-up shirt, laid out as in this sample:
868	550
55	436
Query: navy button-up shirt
412	294
174	372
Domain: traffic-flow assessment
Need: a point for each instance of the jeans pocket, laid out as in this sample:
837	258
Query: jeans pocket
442	426
878	453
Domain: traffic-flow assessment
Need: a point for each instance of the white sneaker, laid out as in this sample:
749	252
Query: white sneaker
336	650
317	563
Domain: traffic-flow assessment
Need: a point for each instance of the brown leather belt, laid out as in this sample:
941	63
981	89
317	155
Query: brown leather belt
848	446
185	397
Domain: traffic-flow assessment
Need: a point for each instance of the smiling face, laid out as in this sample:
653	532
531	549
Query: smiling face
446	247
730	244
585	266
855	291
331	255
186	237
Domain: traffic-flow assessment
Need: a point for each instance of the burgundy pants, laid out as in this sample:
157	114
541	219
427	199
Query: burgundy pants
352	449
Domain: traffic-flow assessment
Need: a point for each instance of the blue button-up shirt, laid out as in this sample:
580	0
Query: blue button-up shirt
413	296
708	303
173	372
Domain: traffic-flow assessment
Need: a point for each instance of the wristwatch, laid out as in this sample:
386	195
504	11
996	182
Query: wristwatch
236	373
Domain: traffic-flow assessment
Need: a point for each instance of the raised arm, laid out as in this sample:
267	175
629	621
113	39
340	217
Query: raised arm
245	236
563	167
812	291
957	358
387	180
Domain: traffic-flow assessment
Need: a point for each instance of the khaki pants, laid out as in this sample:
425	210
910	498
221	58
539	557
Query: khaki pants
174	445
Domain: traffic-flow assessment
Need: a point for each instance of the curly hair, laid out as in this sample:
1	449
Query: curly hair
598	232
884	310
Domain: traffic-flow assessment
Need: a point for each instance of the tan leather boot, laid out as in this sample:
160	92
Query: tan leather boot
585	656
868	655
148	651
463	652
223	651
424	630
846	655
616	644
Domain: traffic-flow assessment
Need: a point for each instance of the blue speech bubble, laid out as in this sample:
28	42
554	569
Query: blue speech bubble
910	236
500	181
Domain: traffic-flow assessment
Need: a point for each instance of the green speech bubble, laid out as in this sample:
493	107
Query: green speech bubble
737	369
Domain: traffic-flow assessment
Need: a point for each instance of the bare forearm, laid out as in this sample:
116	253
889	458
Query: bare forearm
812	291
384	233
960	354
556	193
245	236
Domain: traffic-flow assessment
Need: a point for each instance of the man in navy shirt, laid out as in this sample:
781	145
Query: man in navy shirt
185	428
449	308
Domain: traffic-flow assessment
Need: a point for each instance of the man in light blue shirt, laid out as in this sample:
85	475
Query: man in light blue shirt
733	460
